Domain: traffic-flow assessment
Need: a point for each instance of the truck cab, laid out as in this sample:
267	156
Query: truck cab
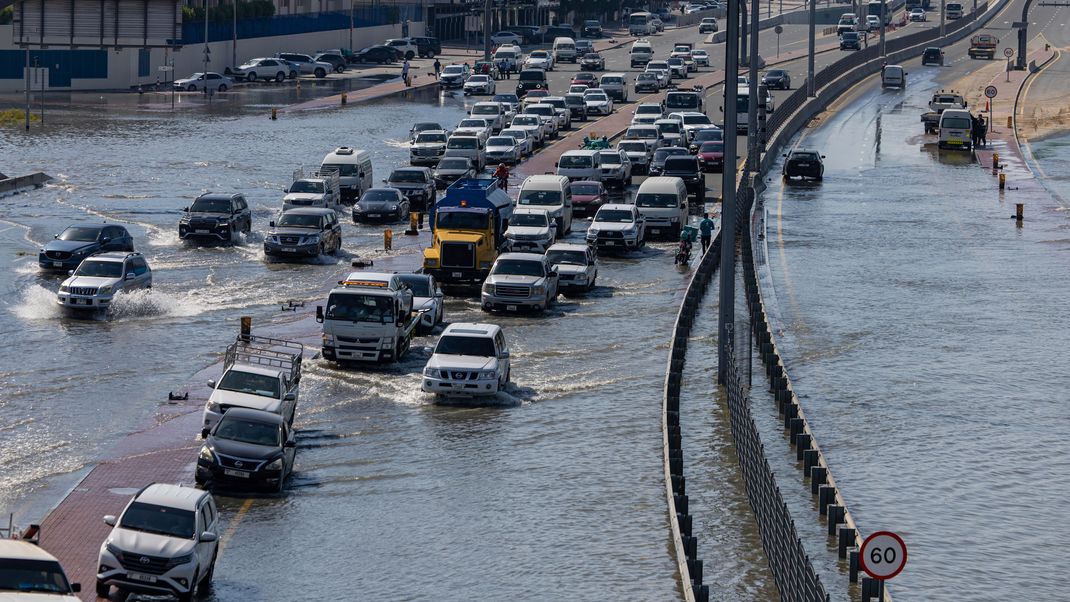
941	101
983	46
468	231
368	318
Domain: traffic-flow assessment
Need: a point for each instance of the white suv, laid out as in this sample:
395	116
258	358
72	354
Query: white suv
93	286
469	359
29	573
164	542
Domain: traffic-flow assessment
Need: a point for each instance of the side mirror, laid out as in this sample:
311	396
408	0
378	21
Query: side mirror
131	276
70	272
361	174
555	163
105	240
290	397
289	443
271	224
186	209
211	384
109	519
504	355
205	433
785	155
207	537
319	314
76	587
384	180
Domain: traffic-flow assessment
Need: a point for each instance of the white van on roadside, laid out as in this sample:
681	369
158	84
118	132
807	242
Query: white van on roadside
956	129
641	53
552	193
565	50
512	56
354	169
615	85
580	165
662	201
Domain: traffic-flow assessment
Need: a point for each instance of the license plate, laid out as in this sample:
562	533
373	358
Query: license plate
142	577
655	231
610	243
456	274
374	215
510	308
201	231
236	473
57	264
802	165
954	142
289	250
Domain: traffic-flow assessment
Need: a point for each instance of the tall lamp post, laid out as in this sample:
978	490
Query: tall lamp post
727	313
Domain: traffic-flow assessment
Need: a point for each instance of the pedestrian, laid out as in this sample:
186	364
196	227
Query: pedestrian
503	68
438	67
984	130
975	131
705	229
405	72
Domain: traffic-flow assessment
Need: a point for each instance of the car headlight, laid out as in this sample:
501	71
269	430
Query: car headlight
388	342
358	209
184	559
213	406
63	288
488	288
273	239
113	549
328	340
275	464
312	239
106	289
592	231
674	220
206	454
487	374
429	371
393	207
484	265
538	290
223	226
630	231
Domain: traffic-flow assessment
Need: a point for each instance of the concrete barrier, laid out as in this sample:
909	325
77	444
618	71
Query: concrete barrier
10	186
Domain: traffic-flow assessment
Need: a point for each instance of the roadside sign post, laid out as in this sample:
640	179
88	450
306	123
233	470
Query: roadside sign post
991	92
883	556
778	30
1008	52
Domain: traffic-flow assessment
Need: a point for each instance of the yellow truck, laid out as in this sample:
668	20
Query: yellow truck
468	231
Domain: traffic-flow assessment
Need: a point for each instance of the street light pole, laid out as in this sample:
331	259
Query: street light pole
752	107
727	312
884	9
810	91
206	49
351	9
943	18
486	29
234	39
743	32
27	87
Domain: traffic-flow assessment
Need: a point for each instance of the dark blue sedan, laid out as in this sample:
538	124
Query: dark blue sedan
74	244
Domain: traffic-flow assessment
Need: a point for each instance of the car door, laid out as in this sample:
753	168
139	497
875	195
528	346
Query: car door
336	229
592	265
289	452
503	354
208	522
142	275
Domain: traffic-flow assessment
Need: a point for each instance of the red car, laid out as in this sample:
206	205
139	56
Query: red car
587	197
587	79
711	156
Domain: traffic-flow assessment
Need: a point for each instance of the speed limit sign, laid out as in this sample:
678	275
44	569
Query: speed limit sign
883	555
1008	52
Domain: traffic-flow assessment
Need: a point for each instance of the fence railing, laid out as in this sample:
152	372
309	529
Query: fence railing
282	25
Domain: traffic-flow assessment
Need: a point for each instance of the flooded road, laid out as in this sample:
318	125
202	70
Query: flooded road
923	330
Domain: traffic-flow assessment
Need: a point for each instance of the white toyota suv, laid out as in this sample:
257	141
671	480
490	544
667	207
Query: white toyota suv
164	542
617	227
93	286
29	573
469	359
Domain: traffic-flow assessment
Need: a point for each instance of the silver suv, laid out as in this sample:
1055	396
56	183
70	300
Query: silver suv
520	281
164	542
93	286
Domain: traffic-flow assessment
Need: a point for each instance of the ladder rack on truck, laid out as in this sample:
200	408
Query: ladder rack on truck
266	351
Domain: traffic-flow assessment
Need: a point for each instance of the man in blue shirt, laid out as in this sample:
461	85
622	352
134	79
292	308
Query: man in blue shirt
705	228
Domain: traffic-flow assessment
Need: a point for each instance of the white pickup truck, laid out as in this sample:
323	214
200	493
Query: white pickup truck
469	360
318	188
941	101
261	373
369	317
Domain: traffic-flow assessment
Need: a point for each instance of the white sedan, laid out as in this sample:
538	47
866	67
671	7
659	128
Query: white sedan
598	102
540	59
197	82
917	14
503	149
503	38
480	84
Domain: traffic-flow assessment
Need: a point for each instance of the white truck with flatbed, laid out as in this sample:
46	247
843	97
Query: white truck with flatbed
368	317
941	101
317	188
261	373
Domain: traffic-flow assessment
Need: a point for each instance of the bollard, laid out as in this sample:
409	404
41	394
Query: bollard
810	459
795	427
246	330
1003	181
679	485
802	443
685	523
680	502
871	589
995	161
1019	209
274	114
1010	122
345	97
414	220
846	539
701	593
852	562
826	494
694	567
818	478
836	514
388	239
690	546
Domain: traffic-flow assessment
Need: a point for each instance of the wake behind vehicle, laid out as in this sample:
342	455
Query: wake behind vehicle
68	248
261	373
468	360
805	164
216	218
247	449
368	317
93	286
304	232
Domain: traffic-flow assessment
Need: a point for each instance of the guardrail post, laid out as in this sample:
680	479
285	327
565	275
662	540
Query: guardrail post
802	443
836	514
818	478
846	540
826	494
694	567
685	523
810	458
852	562
246	328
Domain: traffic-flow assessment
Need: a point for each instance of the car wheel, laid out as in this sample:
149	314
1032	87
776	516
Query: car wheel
103	589
321	72
191	88
206	584
430	54
188	596
251	77
409	55
340	69
222	88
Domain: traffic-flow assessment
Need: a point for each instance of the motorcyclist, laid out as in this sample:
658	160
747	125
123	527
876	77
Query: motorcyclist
502	175
683	252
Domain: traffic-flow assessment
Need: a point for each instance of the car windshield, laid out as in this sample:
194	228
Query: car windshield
100	269
539	197
545	111
509	98
430	137
203	205
516	135
583	77
587	187
653	65
685	164
501	141
669	127
80	234
850	35
472	123
525	120
613	81
248	431
628	147
478	79
647	199
485	110
618	216
25	575
675	61
532	76
955	123
463	142
596	97
646	76
461	220
250	63
776	73
518	267
308	186
712	147
459	345
408	176
708	135
574	161
535	220
238	381
696	120
161	520
663	153
681	101
379	196
799	156
343	169
610	158
358	307
641	133
567	257
648	110
299	220
574	99
453	163
539	54
418	283
452	70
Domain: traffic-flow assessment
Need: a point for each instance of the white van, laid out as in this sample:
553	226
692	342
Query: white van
511	55
580	165
956	129
552	193
615	85
565	50
893	76
641	24
354	169
662	201
641	53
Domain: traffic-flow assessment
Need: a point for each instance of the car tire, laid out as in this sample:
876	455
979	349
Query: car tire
205	585
340	69
191	88
103	589
430	54
409	55
251	77
320	72
222	88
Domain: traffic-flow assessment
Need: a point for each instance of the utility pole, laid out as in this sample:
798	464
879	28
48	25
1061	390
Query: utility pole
234	39
810	91
27	86
727	312
486	29
743	60
204	86
943	17
884	12
752	108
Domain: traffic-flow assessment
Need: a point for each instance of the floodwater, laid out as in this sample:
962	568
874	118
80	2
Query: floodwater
1050	160
926	335
553	490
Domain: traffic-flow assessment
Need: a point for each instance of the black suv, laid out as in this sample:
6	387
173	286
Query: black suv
686	168
216	217
932	56
592	29
530	79
805	164
850	40
68	248
427	47
558	31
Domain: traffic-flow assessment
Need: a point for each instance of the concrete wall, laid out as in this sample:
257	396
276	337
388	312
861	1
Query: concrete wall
122	66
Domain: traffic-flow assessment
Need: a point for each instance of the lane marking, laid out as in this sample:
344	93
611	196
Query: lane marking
246	505
1021	107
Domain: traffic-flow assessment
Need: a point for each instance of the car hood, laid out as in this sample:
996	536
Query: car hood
596	102
149	544
252	451
584	198
293	232
34	597
711	155
475	83
69	246
451	76
513	279
470	130
407	185
612	226
435	145
377	205
448	173
470	362
423	303
90	281
245	400
568	268
527	231
303	196
203	215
